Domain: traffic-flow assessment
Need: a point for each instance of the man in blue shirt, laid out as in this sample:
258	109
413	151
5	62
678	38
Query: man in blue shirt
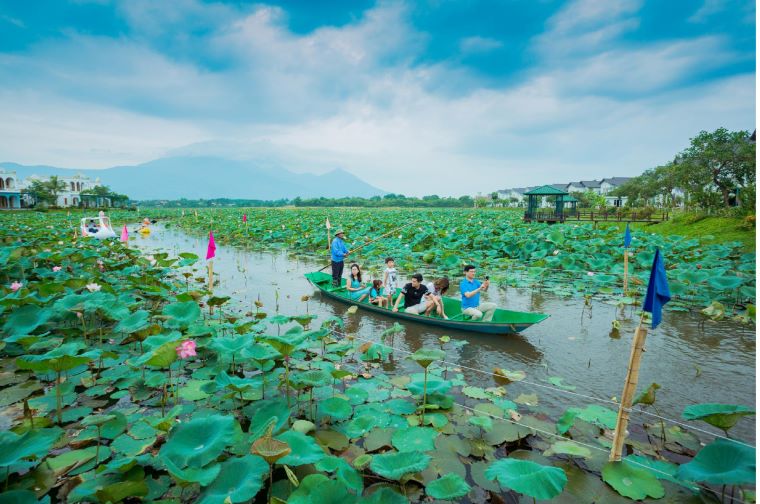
471	289
338	252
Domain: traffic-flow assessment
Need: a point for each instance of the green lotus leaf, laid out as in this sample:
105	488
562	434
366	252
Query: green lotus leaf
359	426
385	495
270	449
344	472
475	392
201	475
631	481
722	416
335	407
317	488
163	356
61	464
26	319
356	395
528	477
568	448
260	352
483	422
199	441
303	426
33	443
135	322
286	343
509	376
62	358
661	470
119	491
20	497
400	406
395	465
239	480
304	449
313	378
722	462
182	314
261	411
414	439
557	382
725	283
217	300
448	487
98	419
426	356
433	386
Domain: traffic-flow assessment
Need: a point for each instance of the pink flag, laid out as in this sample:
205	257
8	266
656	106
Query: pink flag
211	251
124	234
245	218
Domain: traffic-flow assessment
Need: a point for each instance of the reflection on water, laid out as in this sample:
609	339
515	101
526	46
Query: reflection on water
692	364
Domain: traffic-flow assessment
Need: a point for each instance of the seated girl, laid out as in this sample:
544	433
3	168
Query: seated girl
376	295
357	291
433	298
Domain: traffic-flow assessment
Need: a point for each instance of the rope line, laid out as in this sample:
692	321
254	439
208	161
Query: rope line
575	441
561	391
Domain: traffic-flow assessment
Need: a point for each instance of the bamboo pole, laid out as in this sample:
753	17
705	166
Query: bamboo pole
631	380
625	272
211	275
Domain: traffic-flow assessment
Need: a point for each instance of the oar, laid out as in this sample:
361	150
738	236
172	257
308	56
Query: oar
374	240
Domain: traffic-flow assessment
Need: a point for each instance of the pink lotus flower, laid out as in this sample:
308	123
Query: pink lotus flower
93	287
16	286
590	273
186	349
56	269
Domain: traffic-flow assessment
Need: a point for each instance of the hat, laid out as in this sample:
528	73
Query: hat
339	231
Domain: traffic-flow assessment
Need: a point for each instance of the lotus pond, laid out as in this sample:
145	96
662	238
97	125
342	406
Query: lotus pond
123	378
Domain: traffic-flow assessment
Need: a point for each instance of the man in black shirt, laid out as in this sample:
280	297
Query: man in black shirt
412	294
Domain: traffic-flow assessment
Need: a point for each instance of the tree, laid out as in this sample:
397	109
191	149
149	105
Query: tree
590	199
722	160
46	191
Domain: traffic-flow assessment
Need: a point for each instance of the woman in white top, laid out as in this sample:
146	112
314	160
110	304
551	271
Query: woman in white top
433	298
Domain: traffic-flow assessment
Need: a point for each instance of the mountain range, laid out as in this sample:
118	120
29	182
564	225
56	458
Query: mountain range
196	177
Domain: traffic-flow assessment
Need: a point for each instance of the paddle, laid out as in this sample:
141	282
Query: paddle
376	239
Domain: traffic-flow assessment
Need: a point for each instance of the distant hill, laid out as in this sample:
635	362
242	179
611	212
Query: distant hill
212	177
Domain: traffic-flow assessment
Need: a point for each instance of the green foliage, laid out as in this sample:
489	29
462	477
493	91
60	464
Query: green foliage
527	477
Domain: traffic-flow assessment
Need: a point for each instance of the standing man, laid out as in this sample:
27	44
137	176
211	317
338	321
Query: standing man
471	289
412	295
338	252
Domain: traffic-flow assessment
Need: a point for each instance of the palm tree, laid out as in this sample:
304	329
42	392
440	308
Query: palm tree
55	186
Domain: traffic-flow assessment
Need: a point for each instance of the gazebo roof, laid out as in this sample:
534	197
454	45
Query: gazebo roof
570	199
546	190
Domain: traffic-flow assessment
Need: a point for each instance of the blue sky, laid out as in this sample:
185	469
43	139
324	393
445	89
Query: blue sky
447	97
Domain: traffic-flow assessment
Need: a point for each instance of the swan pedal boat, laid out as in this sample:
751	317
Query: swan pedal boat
503	322
104	227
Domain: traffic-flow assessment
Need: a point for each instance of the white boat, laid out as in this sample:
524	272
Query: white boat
97	227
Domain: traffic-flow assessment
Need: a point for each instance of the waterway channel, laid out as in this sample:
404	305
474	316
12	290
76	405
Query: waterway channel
692	364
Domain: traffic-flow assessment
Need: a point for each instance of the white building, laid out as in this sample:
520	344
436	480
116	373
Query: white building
10	190
70	196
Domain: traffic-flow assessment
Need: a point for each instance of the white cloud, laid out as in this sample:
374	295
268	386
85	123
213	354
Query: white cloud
351	97
707	9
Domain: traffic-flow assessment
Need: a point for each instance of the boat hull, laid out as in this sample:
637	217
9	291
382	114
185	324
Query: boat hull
522	320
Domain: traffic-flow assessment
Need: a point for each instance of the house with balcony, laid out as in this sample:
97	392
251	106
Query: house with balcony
10	190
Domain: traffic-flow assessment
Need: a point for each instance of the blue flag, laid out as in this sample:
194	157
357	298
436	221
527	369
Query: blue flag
658	292
627	239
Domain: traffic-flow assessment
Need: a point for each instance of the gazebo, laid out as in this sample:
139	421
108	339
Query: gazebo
535	197
572	203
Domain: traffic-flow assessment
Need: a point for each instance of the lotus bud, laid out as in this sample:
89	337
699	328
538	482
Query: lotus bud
16	286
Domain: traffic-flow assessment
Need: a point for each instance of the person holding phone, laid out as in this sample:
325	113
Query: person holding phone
471	289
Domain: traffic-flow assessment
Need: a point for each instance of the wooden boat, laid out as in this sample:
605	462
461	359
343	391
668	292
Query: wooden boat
503	322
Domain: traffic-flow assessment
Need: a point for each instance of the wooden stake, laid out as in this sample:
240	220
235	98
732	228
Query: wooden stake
211	275
631	380
625	273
